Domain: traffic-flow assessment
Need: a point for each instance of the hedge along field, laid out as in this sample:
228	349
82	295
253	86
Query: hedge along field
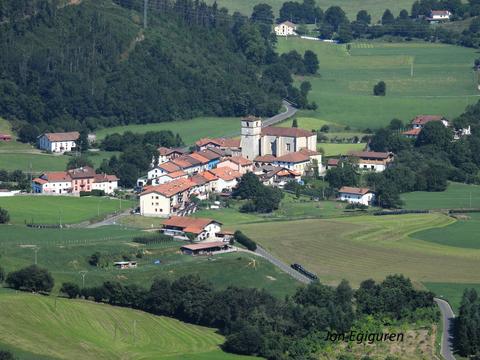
374	7
361	247
60	209
189	130
457	196
443	81
76	329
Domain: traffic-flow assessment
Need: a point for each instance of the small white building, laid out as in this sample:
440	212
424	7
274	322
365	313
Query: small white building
238	163
286	28
227	179
439	15
372	160
123	265
421	120
55	183
165	178
354	195
58	142
107	183
202	228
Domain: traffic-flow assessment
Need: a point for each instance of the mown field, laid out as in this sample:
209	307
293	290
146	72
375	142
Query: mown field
374	7
457	196
48	328
343	88
361	247
189	130
463	233
65	253
59	209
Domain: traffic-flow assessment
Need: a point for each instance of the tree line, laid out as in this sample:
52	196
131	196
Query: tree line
467	326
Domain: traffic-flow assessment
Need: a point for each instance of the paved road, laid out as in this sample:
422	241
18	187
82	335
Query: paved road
447	337
282	116
281	265
112	220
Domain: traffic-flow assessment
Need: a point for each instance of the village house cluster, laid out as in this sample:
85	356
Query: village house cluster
276	155
420	121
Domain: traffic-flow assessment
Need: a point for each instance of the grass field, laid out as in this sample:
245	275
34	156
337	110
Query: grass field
75	329
33	162
457	196
374	7
451	292
189	130
343	90
463	233
65	252
59	209
361	247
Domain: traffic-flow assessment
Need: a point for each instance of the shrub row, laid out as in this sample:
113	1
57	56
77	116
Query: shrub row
245	240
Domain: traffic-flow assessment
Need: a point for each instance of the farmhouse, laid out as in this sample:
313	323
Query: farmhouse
285	28
230	146
58	183
165	178
202	228
412	133
123	265
207	248
354	195
277	141
165	154
227	179
372	160
279	177
439	16
419	121
332	163
82	179
166	199
5	137
238	163
107	183
58	142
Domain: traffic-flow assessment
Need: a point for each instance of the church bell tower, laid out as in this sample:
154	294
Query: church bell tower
251	137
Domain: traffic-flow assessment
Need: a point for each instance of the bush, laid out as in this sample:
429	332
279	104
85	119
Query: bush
95	192
157	238
94	259
2	274
70	289
6	355
380	89
4	216
245	240
31	278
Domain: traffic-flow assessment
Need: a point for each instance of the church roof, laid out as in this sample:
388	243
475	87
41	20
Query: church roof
286	132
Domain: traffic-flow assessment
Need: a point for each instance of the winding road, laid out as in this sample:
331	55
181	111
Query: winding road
447	337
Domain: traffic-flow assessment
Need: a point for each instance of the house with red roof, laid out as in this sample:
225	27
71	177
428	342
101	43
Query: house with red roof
202	228
5	137
354	195
286	28
55	183
227	179
421	120
372	160
58	142
238	163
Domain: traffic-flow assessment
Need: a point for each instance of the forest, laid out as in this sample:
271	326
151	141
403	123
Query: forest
93	65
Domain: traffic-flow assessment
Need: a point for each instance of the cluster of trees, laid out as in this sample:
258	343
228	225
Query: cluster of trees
308	65
467	324
14	180
380	89
4	216
138	152
243	239
334	24
261	198
256	323
32	278
116	75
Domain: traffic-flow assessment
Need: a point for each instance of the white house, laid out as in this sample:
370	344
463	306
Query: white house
372	160
285	28
165	178
419	121
355	195
227	178
57	183
107	183
202	228
439	15
58	142
238	163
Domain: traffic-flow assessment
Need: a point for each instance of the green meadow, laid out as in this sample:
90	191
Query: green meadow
65	253
452	292
442	83
457	196
60	209
189	130
41	327
374	7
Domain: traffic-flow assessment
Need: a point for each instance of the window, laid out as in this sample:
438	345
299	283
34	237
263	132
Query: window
288	147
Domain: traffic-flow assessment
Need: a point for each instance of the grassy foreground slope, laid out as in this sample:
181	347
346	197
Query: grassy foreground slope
343	90
362	247
374	7
75	329
59	209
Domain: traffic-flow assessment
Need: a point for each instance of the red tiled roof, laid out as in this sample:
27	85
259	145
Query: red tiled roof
265	158
308	152
288	23
176	174
199	179
188	222
226	173
208	176
99	178
169	167
56	176
63	136
440	12
182	163
200	158
165	151
209	154
204	245
333	162
251	118
171	188
294	157
371	154
412	132
423	119
39	181
82	173
5	137
354	190
240	160
286	132
220	142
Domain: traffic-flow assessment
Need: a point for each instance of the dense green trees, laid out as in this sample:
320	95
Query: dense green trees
261	198
31	278
243	239
344	175
467	325
380	89
4	216
70	289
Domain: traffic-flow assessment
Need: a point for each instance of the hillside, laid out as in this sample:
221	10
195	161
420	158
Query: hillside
46	328
93	65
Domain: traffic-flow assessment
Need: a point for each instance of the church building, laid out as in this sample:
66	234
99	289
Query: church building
276	141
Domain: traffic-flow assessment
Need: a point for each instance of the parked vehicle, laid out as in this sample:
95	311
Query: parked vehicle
302	270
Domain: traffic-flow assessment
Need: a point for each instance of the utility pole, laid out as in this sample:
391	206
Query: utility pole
145	10
35	250
411	68
82	274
